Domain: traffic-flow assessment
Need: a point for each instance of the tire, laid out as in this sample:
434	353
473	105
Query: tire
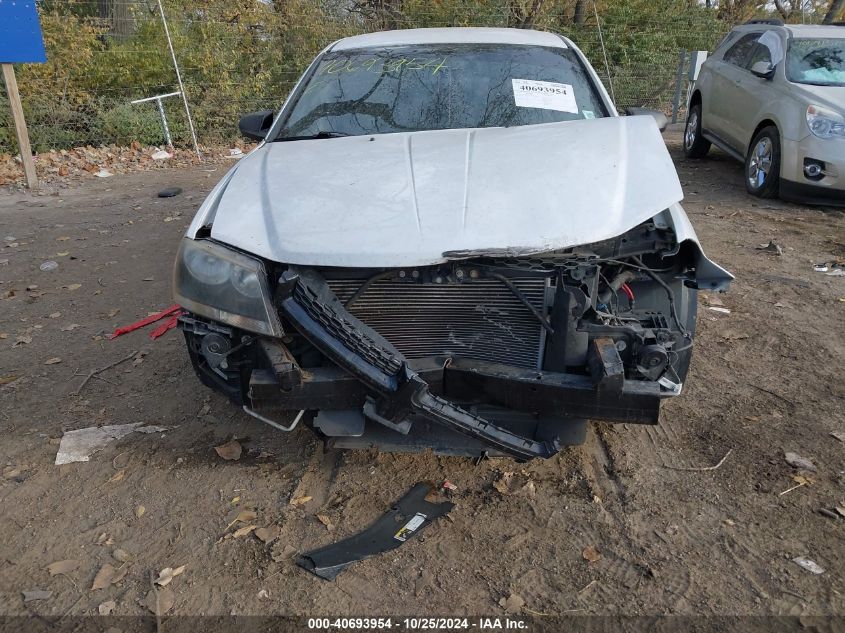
762	164
695	145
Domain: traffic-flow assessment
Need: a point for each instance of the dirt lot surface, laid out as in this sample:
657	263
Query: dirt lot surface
661	537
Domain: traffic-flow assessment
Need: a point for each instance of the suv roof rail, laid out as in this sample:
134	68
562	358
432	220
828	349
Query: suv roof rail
773	21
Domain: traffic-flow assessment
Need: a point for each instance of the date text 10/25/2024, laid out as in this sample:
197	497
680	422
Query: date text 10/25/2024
418	624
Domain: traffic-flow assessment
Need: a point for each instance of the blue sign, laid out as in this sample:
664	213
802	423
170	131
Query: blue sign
20	33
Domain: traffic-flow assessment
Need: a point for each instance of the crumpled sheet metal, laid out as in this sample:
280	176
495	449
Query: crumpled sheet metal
411	514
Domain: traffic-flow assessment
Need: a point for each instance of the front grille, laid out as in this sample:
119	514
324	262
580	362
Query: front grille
480	319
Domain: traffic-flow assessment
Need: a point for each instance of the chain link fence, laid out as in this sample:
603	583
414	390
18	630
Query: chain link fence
244	55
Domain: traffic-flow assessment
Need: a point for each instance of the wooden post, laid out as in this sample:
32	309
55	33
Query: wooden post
20	126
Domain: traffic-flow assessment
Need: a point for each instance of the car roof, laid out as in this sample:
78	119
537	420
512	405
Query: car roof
452	35
816	30
795	30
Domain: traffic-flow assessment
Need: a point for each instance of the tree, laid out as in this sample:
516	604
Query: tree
523	15
835	9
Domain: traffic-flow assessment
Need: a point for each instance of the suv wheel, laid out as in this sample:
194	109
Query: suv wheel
762	165
695	145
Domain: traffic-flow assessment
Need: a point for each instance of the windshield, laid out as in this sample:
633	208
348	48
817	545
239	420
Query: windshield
819	62
435	87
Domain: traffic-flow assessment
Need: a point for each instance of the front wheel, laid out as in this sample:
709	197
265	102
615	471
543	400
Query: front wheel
695	145
762	165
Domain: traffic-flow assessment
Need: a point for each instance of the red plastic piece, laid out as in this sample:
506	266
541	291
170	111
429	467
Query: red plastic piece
158	316
164	327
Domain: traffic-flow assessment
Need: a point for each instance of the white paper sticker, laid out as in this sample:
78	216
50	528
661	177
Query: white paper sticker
548	95
410	527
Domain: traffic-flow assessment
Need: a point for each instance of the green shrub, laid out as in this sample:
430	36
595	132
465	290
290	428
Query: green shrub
123	123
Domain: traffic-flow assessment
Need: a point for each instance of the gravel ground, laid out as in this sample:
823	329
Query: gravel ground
631	523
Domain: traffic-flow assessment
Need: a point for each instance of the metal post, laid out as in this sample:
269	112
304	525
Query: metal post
179	79
164	122
679	78
157	98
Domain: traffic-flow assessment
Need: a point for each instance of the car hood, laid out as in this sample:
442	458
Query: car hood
828	96
422	198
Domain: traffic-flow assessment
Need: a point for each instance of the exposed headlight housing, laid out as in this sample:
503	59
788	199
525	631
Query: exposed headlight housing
825	123
216	282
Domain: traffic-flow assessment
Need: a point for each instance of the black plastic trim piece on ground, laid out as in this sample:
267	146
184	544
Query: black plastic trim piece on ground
411	514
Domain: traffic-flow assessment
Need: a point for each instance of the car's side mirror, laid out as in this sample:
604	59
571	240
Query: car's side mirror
763	69
255	125
657	115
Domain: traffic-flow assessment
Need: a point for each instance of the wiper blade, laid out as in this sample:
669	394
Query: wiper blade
308	137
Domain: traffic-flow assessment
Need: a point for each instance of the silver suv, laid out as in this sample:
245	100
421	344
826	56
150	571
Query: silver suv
773	96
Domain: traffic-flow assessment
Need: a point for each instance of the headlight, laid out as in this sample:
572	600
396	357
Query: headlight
825	123
221	284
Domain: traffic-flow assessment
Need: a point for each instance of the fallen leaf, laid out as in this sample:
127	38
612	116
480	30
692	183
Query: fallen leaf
68	328
230	451
298	501
103	578
268	534
107	607
139	511
5	380
53	361
839	435
63	254
22	340
121	555
244	531
244	516
322	518
840	510
72	287
55	315
63	566
591	554
160	601
503	483
104	539
513	603
167	574
117	476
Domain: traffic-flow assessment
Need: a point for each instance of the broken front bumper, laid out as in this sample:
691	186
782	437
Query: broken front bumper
371	374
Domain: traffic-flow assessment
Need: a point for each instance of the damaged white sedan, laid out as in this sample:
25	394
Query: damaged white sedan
446	239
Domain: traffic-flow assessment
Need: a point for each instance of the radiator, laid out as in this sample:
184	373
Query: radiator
481	319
